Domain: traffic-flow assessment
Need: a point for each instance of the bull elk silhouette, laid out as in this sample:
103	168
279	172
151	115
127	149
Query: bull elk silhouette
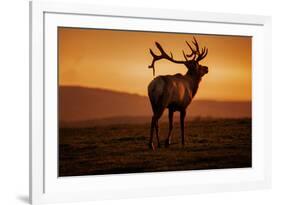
175	92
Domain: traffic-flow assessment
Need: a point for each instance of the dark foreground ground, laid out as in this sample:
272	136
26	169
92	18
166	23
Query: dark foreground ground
211	144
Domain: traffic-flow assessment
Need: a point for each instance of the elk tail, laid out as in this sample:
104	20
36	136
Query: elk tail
155	92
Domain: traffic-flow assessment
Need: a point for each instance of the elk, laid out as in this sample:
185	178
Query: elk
175	92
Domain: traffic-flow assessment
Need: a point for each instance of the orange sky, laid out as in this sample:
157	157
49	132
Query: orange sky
118	60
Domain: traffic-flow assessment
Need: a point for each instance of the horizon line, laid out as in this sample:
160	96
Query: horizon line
130	93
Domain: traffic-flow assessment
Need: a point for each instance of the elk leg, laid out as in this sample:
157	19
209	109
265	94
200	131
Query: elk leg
157	116
152	126
171	115
157	131
182	117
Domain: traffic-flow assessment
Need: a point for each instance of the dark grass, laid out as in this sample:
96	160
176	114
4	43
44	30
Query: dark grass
115	149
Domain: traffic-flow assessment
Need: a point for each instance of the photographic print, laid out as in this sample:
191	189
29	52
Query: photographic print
143	101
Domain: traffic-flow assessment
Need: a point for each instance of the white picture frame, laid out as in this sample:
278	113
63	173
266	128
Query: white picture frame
46	186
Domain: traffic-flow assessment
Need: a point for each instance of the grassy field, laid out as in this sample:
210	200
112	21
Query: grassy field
210	144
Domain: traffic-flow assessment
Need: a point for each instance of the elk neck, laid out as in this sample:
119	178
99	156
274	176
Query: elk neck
193	80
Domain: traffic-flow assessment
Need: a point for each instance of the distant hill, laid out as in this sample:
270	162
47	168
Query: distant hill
94	104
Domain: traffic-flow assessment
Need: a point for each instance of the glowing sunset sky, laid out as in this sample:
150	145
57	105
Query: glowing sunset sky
118	60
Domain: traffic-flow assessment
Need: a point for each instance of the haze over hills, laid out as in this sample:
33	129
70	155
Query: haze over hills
77	104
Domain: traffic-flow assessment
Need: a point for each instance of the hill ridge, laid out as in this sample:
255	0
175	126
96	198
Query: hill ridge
77	103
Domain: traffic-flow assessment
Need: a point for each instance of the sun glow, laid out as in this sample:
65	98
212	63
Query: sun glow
118	60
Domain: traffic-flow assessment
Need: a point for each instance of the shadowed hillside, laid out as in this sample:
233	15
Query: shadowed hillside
84	104
107	132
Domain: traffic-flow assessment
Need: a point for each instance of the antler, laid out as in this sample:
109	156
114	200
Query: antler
195	54
163	55
200	55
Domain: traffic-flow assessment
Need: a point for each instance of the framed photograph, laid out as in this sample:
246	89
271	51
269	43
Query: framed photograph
129	102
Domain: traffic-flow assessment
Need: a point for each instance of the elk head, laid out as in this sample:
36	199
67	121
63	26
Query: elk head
191	60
